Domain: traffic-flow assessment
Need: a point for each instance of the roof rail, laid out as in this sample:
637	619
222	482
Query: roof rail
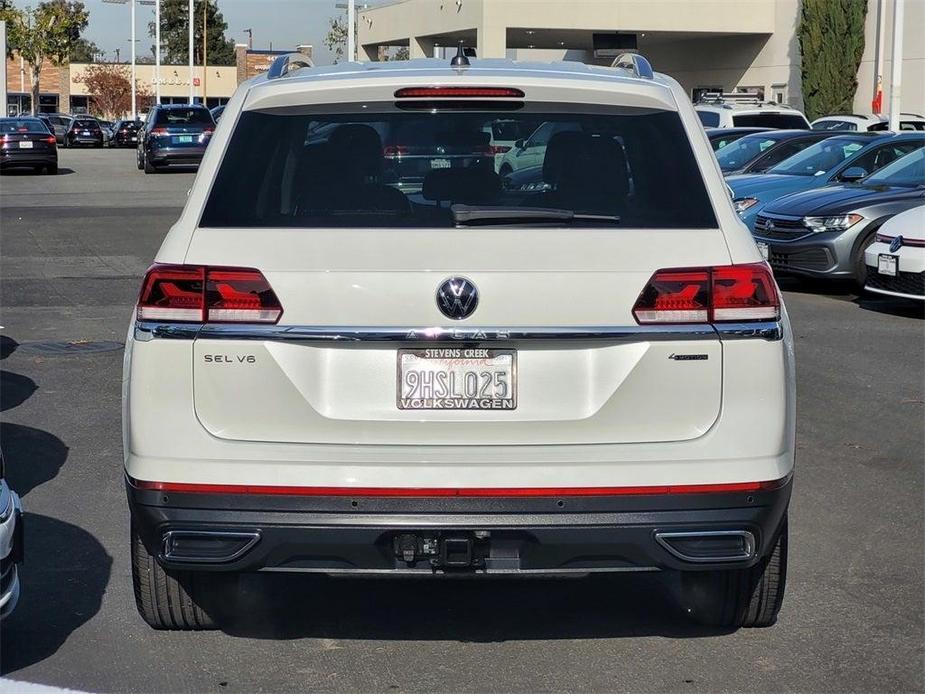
917	115
634	62
284	64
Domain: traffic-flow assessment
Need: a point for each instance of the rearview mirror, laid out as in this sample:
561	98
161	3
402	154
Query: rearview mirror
519	144
852	174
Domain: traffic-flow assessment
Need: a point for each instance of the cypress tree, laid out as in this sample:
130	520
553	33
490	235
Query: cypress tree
831	36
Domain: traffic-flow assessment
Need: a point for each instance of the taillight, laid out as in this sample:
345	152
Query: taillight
159	132
394	150
498	149
50	140
196	294
729	293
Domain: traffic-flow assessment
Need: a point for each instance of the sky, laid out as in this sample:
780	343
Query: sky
284	23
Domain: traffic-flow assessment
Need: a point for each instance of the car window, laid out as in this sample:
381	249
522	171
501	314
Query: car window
394	168
782	121
22	125
820	158
878	157
742	151
907	171
505	130
709	119
835	125
777	155
85	123
183	116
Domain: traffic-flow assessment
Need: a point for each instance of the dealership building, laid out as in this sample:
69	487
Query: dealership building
707	45
62	88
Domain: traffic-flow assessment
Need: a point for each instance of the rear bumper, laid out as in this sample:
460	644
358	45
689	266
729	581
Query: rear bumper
180	156
344	533
27	158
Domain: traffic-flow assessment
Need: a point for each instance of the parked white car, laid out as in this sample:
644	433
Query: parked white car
867	123
742	111
896	260
328	371
530	153
11	545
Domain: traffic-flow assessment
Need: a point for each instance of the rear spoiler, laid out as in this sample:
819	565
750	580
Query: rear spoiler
284	64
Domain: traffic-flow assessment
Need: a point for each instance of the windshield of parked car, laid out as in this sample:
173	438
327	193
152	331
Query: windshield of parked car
907	172
22	125
835	125
737	154
820	158
392	167
184	116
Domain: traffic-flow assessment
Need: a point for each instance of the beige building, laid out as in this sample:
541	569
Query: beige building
704	44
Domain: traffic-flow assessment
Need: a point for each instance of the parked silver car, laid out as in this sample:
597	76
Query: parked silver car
11	545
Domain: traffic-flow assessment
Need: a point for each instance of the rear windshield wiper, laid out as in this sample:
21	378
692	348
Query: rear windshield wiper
488	215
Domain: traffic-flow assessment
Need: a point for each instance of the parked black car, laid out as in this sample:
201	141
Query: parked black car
125	133
174	135
58	123
720	137
217	112
758	152
84	132
27	142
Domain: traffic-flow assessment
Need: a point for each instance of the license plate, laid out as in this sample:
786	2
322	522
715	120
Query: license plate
763	249
886	264
185	138
25	144
457	378
439	163
134	139
86	132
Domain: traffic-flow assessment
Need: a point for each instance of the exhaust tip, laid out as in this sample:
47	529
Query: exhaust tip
207	546
710	545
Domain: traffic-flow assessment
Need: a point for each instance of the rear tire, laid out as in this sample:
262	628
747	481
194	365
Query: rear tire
51	169
174	600
739	597
149	167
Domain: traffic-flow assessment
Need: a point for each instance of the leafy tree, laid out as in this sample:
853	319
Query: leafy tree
336	38
47	32
84	51
831	36
175	33
110	87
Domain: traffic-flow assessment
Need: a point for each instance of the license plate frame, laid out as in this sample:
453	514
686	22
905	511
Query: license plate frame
26	144
185	139
887	264
457	398
440	164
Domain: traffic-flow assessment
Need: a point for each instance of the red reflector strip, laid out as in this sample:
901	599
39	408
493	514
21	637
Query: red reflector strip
919	243
246	489
458	92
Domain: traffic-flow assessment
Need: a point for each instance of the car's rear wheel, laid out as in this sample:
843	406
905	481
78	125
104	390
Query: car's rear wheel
149	167
51	169
739	597
176	600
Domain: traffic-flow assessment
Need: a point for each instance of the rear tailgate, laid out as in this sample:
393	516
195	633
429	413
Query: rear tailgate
617	389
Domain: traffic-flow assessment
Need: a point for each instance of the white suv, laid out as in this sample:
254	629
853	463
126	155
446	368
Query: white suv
746	111
343	362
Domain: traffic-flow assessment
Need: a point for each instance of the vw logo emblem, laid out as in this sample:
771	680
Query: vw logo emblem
457	298
896	244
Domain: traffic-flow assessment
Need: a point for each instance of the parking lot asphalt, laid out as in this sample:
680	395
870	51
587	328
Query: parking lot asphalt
72	251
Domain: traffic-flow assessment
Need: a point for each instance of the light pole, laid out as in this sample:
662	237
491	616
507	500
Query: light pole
351	8
157	51
897	67
191	51
133	41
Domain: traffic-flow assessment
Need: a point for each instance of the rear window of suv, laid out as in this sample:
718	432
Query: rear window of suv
387	167
783	121
184	116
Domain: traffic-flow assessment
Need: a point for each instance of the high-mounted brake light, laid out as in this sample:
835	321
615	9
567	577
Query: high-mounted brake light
196	294
730	293
458	92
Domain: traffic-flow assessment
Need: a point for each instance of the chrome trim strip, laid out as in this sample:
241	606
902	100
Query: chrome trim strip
148	330
748	540
252	539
